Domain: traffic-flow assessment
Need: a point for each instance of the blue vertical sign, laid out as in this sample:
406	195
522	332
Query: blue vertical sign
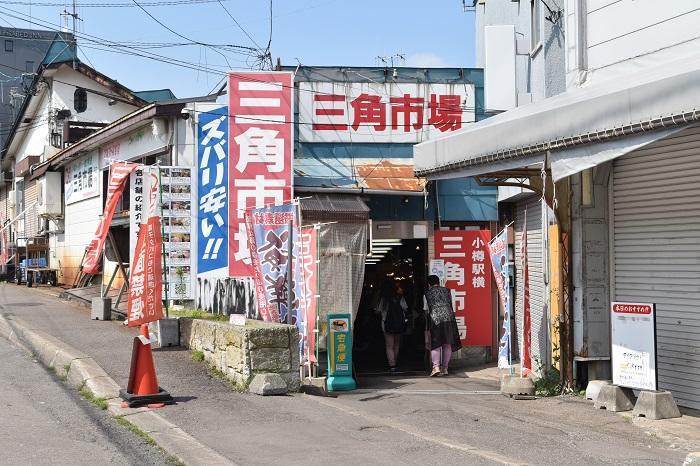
498	250
212	190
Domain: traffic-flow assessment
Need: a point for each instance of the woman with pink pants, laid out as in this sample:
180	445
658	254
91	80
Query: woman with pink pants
444	335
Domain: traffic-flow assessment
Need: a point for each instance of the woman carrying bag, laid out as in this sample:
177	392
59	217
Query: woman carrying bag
442	336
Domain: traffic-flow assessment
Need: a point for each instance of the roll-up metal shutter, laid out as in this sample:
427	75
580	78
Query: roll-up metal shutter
538	315
31	196
4	211
656	251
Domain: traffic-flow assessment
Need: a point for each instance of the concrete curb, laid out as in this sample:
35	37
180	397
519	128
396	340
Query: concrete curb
80	370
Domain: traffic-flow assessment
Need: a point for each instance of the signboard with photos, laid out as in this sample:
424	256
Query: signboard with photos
176	217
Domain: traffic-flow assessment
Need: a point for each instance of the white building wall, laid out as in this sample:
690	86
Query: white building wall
81	220
35	134
612	38
66	81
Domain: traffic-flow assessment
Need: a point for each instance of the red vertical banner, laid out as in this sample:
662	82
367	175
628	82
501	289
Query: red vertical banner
146	280
261	153
468	276
526	362
310	266
4	255
118	174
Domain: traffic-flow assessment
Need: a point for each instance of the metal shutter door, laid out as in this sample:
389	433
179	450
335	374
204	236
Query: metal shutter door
538	316
31	196
656	251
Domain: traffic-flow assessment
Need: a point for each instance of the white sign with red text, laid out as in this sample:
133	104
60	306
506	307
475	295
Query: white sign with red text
633	337
260	153
382	112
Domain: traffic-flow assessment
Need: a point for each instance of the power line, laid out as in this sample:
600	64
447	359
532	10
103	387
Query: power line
239	24
112	44
112	4
132	50
180	35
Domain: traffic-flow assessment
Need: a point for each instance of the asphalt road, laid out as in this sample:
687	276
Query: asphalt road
44	422
400	421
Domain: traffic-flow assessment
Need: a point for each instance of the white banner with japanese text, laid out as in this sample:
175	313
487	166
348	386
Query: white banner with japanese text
382	112
82	178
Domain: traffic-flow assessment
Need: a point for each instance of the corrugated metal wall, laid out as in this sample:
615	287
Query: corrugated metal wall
656	252
4	208
31	196
539	342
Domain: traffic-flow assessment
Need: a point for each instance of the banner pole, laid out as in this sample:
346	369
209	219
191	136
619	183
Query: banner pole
162	236
318	292
510	305
290	271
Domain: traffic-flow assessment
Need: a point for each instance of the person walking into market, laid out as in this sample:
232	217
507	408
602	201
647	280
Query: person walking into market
443	338
392	305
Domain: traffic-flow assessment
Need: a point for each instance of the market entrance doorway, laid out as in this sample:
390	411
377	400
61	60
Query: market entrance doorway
392	264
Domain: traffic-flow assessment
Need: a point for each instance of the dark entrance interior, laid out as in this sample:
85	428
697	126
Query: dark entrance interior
403	261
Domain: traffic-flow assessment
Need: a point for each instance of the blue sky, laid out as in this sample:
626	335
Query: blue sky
313	32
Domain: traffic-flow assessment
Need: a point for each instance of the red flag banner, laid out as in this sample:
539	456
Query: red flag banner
146	280
261	141
468	276
309	258
526	363
4	255
118	174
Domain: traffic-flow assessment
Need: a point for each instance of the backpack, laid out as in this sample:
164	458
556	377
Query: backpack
395	320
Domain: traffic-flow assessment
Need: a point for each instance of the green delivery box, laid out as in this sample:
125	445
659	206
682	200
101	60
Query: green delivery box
340	353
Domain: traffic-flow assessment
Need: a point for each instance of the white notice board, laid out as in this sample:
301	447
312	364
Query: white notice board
633	337
437	267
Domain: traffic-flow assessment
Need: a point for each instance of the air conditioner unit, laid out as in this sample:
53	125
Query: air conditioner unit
49	202
12	198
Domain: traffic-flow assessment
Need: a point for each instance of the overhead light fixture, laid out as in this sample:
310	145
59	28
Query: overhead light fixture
386	244
391	240
381	249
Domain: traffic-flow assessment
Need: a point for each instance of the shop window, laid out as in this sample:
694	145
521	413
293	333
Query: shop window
9	45
80	100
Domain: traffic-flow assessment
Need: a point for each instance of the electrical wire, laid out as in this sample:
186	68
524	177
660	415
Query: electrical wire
135	51
111	4
181	35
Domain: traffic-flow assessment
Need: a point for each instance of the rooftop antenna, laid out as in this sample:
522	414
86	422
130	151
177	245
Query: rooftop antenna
76	18
397	59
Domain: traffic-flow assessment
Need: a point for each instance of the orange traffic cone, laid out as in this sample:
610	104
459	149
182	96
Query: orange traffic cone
143	388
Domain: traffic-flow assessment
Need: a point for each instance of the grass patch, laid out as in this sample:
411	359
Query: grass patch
197	356
549	384
170	460
135	430
236	387
197	314
88	395
173	461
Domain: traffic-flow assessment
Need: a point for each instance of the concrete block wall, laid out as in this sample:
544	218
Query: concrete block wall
242	351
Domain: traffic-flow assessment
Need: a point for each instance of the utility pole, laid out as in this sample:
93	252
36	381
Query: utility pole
76	18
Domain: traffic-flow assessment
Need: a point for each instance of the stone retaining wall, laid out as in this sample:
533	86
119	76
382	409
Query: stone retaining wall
242	351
